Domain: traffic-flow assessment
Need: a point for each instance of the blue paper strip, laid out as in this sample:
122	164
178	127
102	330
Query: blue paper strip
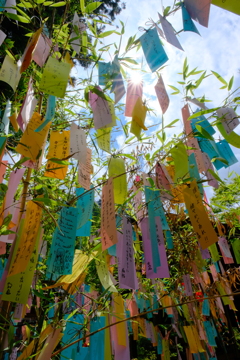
169	239
154	203
188	24
63	244
153	49
226	152
152	228
51	104
159	345
203	122
85	204
209	332
206	307
103	70
70	332
96	349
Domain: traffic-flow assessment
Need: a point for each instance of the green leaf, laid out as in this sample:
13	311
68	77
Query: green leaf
10	334
47	3
202	112
185	69
10	55
175	89
151	182
23	13
17	18
129	140
204	132
198	82
230	83
58	4
72	314
166	10
46	201
7	220
219	206
106	33
220	159
171	123
215	176
128	156
100	93
123	28
59	161
20	162
40	294
82	6
92	6
129	43
84	42
219	77
26	5
160	138
129	60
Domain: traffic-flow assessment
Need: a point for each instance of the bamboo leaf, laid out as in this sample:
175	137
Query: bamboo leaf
82	6
17	17
106	33
230	83
46	201
92	6
219	77
177	91
204	132
202	112
215	176
58	4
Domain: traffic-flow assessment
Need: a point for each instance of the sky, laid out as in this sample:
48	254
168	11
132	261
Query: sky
216	49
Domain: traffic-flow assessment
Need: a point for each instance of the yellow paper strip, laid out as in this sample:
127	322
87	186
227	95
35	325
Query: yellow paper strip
32	140
116	167
119	314
28	239
198	216
230	5
58	149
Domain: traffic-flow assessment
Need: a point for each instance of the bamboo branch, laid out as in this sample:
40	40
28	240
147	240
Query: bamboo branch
141	314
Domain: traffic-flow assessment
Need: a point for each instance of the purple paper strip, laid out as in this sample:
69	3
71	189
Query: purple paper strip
205	253
127	271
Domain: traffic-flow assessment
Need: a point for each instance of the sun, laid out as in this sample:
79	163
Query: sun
136	77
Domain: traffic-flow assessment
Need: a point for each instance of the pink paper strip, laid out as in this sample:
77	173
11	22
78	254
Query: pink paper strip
134	91
187	285
225	250
42	50
14	180
162	95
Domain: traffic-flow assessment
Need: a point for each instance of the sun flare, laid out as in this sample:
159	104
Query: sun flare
136	78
